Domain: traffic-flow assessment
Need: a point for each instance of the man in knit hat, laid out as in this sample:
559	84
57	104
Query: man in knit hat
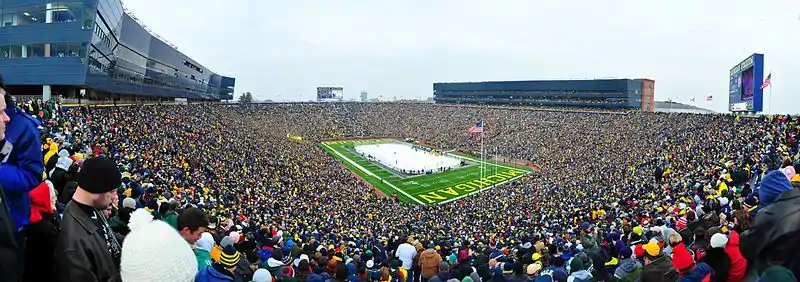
223	270
86	248
429	261
774	234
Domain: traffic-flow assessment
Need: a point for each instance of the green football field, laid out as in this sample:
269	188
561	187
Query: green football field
434	188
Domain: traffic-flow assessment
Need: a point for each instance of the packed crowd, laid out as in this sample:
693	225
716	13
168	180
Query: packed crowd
219	193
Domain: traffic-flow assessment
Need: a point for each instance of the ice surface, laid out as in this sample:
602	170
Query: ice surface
405	157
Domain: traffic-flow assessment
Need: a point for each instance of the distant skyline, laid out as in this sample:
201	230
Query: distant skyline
283	50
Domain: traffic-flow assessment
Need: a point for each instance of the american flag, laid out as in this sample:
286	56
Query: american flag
767	82
477	128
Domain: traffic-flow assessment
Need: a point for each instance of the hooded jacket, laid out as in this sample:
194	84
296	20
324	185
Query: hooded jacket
42	234
21	164
774	236
628	270
429	261
738	263
580	276
701	273
274	267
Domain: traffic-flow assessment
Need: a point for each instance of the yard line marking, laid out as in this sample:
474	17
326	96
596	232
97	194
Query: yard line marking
484	189
345	158
479	161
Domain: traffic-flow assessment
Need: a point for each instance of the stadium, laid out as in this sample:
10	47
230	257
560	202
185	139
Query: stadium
121	159
598	93
96	50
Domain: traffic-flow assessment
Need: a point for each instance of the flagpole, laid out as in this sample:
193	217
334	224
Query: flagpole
482	154
770	91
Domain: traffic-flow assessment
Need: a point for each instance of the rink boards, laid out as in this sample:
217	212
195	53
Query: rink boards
434	188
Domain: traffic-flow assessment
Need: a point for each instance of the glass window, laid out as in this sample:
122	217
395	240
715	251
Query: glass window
35	50
15	51
5	52
7	19
68	50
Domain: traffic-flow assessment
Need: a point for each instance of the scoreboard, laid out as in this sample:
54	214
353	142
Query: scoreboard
330	93
745	93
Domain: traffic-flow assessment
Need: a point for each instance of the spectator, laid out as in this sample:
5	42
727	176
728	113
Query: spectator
777	273
738	263
444	273
262	275
9	251
203	251
717	258
222	270
774	236
578	272
21	163
429	261
657	266
683	261
86	249
191	224
154	251
629	268
42	234
171	216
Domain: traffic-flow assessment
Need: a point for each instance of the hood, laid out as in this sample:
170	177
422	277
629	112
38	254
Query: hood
629	265
733	239
273	263
41	201
581	274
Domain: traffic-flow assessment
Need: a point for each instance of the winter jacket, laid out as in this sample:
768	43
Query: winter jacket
243	271
81	252
9	251
628	270
171	218
429	261
580	276
738	263
21	164
203	258
41	236
717	259
660	270
701	273
212	274
774	236
274	267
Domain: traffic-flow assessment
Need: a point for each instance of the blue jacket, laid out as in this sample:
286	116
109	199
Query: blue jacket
210	274
21	170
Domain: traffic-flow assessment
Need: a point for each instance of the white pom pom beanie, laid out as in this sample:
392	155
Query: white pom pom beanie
154	251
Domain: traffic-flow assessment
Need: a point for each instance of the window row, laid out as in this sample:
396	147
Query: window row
100	63
43	50
63	12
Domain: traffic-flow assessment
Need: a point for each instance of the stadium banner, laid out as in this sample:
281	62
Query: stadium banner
330	93
745	93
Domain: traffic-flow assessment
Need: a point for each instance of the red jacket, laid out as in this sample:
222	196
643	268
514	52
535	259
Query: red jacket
738	262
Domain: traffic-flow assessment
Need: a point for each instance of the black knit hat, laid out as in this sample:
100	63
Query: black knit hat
99	175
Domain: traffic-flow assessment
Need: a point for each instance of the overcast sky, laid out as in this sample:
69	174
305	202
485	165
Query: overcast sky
285	49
